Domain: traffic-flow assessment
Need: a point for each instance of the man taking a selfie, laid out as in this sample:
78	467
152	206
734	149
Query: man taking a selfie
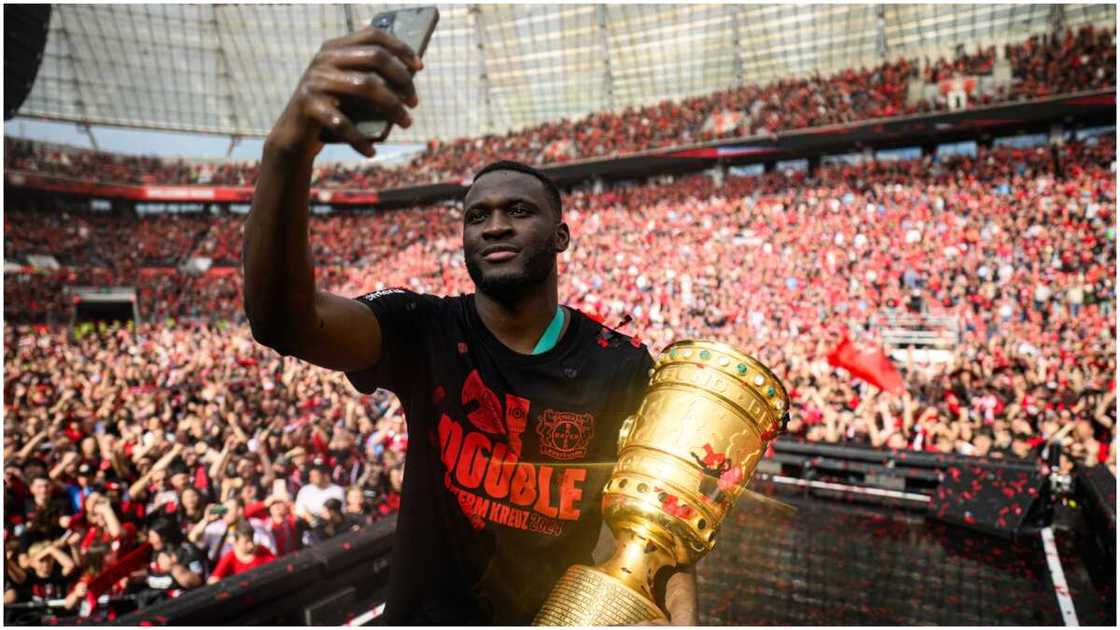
513	401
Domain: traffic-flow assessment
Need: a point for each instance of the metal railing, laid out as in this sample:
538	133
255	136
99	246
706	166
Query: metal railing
919	331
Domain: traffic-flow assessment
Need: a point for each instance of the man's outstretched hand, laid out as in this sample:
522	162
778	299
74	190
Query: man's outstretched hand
369	66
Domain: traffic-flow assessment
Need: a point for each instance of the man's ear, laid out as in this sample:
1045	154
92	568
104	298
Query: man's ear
562	238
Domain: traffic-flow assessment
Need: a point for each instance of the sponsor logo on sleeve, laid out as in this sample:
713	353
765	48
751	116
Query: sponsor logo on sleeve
369	297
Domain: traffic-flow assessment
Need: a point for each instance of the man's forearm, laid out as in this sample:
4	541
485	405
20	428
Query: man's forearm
25	452
195	535
279	278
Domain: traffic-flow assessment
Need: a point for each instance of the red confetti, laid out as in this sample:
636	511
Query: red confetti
669	505
712	459
731	478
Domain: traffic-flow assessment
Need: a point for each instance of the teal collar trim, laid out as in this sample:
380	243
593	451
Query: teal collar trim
551	334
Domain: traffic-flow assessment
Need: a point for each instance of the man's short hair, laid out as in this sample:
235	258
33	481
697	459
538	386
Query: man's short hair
34	461
510	165
244	530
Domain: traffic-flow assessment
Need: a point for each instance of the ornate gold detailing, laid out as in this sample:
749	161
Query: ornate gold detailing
684	458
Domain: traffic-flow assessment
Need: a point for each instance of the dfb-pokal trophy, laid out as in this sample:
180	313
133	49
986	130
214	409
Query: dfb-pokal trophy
684	458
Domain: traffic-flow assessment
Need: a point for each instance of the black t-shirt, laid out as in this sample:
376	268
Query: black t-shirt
507	455
56	506
54	586
185	554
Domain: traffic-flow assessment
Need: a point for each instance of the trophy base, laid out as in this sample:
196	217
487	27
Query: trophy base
587	597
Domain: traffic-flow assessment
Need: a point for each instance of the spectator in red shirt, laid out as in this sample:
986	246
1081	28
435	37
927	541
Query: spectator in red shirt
245	555
275	515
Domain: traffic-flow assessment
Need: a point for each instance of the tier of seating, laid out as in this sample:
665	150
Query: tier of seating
1043	65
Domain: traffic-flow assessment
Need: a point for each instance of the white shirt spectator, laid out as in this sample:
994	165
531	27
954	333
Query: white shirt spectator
311	497
1076	294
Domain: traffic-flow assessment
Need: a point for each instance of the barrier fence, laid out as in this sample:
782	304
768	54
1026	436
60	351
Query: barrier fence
869	544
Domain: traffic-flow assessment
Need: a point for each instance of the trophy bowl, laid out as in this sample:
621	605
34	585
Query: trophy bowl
684	458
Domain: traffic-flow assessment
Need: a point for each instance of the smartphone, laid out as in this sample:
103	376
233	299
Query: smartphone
219	510
413	26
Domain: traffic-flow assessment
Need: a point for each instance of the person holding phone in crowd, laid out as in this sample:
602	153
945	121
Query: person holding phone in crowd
498	500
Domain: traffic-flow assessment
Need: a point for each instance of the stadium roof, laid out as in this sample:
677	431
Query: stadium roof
230	68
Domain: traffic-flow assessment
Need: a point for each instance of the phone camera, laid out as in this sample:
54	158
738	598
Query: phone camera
385	22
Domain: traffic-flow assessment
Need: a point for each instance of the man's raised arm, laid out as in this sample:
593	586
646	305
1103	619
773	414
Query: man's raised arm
285	310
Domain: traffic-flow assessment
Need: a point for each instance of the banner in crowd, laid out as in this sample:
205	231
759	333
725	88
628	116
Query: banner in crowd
724	121
175	194
112	574
561	150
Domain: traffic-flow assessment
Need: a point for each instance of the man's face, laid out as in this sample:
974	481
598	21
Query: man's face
190	499
319	478
249	492
44	565
245	467
245	545
179	481
511	234
278	510
40	489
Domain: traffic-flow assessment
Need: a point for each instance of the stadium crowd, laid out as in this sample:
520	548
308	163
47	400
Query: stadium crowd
1043	65
205	454
181	453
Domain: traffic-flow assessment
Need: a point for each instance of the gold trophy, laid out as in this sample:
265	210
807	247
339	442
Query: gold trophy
684	458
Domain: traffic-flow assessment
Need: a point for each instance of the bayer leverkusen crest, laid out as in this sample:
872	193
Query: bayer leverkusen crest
564	435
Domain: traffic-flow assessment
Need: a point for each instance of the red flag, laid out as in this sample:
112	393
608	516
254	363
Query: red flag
868	364
135	559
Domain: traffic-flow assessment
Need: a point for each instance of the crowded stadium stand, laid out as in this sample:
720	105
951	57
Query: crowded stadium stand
923	248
